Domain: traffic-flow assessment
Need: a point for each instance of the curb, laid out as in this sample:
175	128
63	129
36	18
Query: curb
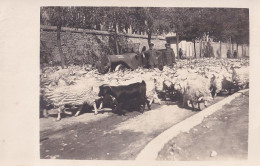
150	152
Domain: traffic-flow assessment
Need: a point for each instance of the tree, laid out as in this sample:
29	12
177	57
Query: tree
220	23
155	21
55	16
229	24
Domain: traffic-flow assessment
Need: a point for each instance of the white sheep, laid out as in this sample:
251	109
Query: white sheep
240	77
194	90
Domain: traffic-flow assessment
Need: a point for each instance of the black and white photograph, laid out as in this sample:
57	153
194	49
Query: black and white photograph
144	83
129	83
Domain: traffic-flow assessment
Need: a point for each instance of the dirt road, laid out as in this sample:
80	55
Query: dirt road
107	136
221	136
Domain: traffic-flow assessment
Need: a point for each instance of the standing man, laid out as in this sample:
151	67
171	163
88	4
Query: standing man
228	54
235	54
144	57
168	55
152	56
180	53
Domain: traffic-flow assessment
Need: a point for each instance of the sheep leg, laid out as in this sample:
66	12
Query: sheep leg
199	106
184	101
77	113
193	109
45	113
206	103
59	114
155	97
159	100
101	106
148	104
164	96
151	101
95	108
79	110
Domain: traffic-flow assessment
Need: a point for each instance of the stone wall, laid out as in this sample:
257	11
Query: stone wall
81	46
85	46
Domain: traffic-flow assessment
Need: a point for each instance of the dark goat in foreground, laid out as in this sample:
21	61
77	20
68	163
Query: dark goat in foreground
126	93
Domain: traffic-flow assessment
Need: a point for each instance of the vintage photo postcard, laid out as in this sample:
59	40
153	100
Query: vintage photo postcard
130	83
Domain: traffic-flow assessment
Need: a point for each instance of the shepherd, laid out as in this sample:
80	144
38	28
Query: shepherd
168	56
152	57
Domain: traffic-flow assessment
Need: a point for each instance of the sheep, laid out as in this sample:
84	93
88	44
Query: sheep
240	77
219	74
73	95
194	90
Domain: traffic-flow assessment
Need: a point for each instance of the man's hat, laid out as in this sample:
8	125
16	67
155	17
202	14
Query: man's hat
151	44
167	45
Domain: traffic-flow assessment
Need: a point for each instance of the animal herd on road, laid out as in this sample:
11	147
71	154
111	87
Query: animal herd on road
189	82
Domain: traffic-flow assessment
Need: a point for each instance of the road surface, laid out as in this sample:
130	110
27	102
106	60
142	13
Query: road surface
106	136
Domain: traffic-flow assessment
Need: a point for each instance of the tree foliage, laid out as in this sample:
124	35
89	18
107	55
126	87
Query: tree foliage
190	23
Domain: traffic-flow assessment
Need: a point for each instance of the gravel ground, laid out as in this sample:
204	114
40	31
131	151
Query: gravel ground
221	136
108	136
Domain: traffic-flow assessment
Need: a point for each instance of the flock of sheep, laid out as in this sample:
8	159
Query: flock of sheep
189	81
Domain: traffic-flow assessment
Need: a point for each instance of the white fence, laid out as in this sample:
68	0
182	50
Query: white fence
189	50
